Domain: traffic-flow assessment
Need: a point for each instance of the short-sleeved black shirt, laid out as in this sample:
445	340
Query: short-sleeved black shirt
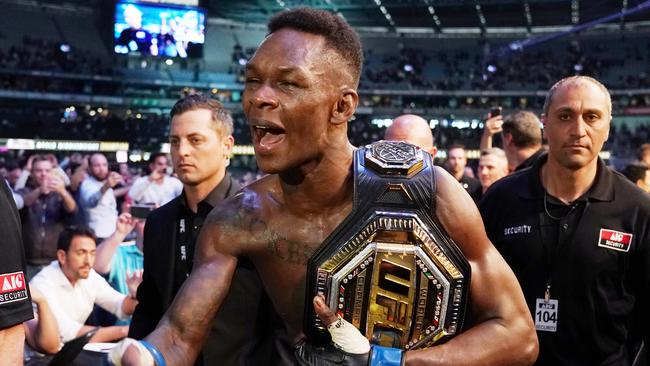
15	304
595	253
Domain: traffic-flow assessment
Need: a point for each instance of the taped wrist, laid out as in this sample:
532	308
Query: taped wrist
347	337
145	357
385	356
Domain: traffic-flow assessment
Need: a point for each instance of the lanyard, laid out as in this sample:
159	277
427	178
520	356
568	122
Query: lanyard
553	253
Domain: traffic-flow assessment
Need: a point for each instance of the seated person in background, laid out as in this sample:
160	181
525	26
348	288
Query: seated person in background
492	166
158	187
72	287
638	173
120	261
42	332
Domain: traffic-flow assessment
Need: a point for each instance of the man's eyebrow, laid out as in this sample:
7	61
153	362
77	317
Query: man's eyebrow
564	109
288	69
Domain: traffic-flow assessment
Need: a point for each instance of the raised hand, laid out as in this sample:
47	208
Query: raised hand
133	280
125	223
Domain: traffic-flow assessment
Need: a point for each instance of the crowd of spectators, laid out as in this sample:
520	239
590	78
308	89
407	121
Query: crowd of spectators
47	55
146	131
485	67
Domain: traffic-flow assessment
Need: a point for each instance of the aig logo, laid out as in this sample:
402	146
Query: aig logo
12	282
617	237
615	240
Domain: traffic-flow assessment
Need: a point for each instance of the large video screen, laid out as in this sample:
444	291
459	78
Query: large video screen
158	30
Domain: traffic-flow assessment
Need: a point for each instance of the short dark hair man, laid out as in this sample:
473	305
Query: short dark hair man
300	93
455	164
72	288
576	235
521	135
201	143
414	130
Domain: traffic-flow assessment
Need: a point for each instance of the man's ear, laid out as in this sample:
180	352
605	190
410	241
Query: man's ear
345	106
61	256
507	139
228	142
433	151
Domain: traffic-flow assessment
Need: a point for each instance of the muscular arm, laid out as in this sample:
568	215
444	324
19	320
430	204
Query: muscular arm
502	331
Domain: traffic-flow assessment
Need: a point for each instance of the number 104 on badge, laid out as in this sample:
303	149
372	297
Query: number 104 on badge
546	315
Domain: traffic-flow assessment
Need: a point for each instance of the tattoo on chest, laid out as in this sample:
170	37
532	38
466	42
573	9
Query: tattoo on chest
290	251
245	221
278	245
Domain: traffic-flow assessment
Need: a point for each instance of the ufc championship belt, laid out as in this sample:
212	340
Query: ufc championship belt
389	268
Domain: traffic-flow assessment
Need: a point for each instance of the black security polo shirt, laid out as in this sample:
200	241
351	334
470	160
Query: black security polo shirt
15	304
594	253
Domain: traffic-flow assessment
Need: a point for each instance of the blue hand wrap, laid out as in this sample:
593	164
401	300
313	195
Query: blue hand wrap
157	356
385	356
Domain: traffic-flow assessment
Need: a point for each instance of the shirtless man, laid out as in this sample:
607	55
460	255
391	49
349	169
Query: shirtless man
300	92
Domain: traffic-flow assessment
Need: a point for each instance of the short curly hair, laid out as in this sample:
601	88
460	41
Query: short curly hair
338	34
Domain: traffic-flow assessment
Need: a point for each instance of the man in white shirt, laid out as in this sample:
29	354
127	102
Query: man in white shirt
72	287
157	188
97	198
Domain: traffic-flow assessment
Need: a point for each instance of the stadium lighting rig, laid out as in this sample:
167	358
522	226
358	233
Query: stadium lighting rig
481	17
575	12
528	15
384	11
434	16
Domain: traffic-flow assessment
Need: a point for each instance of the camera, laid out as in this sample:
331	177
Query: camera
141	211
495	111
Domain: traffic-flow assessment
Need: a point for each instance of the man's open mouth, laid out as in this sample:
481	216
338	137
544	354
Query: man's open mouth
268	135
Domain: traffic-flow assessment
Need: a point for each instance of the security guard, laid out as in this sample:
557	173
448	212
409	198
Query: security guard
576	235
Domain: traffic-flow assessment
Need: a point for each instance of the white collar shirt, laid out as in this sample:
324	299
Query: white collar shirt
71	305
